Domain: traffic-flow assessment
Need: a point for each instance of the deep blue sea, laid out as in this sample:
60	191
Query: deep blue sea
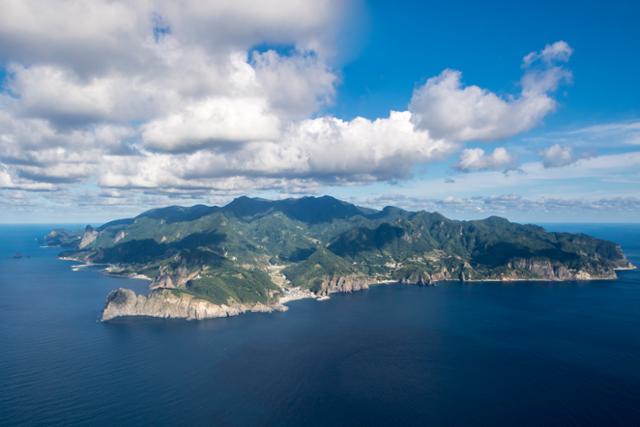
456	354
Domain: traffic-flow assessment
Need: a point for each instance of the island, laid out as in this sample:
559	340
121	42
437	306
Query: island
255	255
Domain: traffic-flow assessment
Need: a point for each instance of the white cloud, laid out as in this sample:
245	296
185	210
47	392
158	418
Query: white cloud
59	95
296	86
474	159
212	122
242	24
73	89
198	86
450	110
324	149
100	35
556	155
227	96
9	182
35	149
88	37
558	51
382	148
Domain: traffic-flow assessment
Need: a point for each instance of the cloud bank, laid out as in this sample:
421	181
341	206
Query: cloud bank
117	100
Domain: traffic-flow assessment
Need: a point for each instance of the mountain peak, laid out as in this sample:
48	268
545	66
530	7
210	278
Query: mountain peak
308	209
175	213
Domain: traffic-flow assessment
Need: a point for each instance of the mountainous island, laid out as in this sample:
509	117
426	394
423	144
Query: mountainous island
255	254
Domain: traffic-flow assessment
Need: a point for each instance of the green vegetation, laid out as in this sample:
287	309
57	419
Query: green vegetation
322	263
230	253
231	285
61	238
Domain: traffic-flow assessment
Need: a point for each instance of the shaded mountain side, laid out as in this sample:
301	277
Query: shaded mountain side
323	263
253	251
362	239
310	210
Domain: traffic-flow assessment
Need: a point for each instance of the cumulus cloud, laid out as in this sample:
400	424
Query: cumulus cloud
34	32
156	76
212	122
325	149
557	155
34	149
110	65
240	24
474	159
296	86
107	35
9	182
448	109
192	98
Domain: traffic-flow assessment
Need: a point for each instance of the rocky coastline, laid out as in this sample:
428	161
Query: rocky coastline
173	303
165	303
167	299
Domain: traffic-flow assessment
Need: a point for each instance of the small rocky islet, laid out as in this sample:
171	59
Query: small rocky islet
255	255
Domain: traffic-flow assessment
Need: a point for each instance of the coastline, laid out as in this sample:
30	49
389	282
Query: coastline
107	269
166	303
629	268
163	303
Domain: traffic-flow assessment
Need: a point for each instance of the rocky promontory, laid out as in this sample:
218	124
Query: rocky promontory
165	303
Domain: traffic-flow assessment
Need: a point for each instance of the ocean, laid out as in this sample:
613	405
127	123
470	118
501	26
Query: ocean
456	354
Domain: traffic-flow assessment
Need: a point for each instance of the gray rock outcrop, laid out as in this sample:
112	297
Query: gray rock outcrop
548	270
88	237
349	283
165	303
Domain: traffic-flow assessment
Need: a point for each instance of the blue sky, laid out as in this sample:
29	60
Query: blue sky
101	118
407	42
405	45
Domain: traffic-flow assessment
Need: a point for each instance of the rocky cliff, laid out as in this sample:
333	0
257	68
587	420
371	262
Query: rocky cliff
350	283
88	237
165	303
549	270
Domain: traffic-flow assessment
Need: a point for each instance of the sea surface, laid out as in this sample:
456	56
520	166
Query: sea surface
456	354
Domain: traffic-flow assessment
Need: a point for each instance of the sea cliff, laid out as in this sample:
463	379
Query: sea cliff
165	303
255	254
171	302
